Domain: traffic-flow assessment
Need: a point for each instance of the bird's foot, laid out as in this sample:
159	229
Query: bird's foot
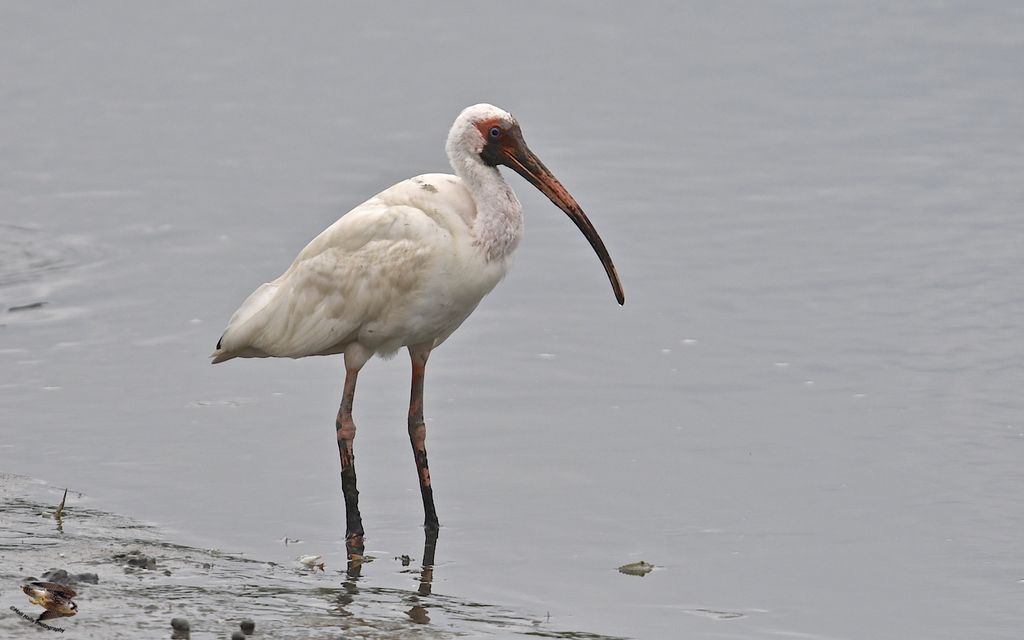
354	546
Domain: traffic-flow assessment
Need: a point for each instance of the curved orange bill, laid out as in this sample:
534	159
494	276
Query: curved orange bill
519	158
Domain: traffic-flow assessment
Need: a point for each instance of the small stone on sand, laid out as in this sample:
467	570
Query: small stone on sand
636	568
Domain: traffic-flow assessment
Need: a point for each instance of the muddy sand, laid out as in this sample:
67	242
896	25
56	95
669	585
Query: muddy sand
131	581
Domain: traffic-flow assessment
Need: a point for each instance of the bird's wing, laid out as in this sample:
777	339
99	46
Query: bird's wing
63	612
57	589
349	276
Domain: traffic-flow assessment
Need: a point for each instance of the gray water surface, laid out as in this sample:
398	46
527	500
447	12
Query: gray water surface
808	413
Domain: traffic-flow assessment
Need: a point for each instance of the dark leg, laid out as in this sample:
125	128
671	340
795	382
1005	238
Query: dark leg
418	434
346	434
419	611
429	549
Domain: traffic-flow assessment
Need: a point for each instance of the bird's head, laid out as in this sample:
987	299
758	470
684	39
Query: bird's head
471	130
493	136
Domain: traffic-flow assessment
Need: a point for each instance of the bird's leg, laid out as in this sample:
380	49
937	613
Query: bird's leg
418	433
346	428
420	612
429	550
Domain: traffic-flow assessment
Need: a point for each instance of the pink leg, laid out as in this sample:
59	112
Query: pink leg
418	433
346	429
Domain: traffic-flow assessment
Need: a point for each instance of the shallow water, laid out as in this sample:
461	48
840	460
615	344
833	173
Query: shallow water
136	582
807	414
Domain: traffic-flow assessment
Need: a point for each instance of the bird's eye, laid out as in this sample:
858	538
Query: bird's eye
494	132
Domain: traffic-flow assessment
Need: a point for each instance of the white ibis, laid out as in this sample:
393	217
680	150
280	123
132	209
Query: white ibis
404	269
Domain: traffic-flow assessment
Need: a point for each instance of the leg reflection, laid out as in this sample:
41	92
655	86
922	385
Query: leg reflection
429	547
355	565
418	612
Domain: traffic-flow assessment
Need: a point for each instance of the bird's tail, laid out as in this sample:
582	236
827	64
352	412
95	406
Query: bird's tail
220	354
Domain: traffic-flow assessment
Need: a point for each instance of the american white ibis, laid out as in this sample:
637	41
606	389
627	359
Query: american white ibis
404	269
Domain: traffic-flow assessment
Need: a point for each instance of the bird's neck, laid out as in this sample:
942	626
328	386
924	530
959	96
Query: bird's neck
499	216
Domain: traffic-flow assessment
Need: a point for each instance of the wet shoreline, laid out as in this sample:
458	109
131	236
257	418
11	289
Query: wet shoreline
143	581
807	415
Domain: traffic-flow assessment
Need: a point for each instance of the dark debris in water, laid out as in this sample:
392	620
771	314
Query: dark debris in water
182	629
26	307
637	568
717	614
61	576
180	624
135	559
125	598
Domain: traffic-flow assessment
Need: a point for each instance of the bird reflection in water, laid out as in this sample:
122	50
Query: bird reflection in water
419	611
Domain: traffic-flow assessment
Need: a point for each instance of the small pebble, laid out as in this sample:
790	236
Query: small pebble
248	627
179	624
636	568
142	562
136	559
237	635
60	576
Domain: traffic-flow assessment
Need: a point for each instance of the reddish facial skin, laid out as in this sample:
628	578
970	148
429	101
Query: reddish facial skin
484	126
509	148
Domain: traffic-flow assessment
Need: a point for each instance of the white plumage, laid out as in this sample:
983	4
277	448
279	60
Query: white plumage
401	268
405	268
